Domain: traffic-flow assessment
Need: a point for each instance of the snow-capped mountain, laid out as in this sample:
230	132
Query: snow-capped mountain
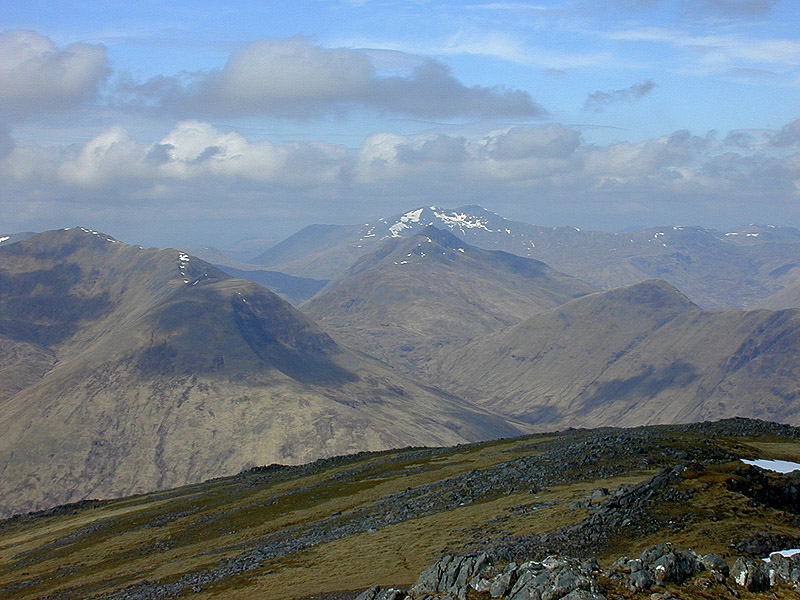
716	269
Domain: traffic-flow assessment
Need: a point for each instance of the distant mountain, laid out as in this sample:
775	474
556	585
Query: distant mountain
294	290
634	355
316	251
11	238
124	370
736	269
412	296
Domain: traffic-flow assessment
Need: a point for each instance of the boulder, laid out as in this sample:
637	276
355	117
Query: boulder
717	566
378	593
783	569
751	574
453	575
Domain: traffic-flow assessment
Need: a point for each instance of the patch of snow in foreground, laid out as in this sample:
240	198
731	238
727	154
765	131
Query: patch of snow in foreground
779	466
787	553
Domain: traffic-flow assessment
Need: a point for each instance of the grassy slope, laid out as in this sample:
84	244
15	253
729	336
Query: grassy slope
83	551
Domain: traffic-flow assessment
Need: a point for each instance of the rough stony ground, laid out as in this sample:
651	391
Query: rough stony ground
338	524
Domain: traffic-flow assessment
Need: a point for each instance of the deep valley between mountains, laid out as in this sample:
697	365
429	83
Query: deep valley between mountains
435	397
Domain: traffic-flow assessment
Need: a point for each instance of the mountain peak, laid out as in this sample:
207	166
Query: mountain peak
654	293
441	237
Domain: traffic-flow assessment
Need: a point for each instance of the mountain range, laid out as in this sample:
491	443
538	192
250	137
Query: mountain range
747	268
634	355
412	297
124	370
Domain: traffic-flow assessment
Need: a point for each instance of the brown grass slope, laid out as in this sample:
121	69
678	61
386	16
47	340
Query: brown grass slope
415	295
347	523
631	356
126	370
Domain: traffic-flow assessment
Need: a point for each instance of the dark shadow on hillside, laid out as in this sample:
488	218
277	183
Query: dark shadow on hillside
645	385
37	306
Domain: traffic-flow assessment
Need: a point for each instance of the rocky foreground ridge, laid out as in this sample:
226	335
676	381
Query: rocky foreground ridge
661	569
330	529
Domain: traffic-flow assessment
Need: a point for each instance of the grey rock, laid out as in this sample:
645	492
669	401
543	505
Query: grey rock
641	580
653	553
634	565
378	593
677	567
452	575
783	570
501	584
717	566
583	595
599	493
751	574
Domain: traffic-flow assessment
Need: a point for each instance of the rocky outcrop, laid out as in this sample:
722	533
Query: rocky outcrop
562	578
453	577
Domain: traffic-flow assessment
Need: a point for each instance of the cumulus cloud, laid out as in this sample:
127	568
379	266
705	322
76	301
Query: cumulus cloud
200	174
598	100
196	152
295	78
789	135
35	76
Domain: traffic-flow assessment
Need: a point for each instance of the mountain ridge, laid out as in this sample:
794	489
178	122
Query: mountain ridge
155	369
644	353
413	296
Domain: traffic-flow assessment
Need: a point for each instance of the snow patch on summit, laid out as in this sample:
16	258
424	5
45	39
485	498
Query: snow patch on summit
411	216
461	220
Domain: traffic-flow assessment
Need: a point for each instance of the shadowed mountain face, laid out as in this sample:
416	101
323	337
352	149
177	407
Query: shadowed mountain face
124	370
413	296
735	269
641	354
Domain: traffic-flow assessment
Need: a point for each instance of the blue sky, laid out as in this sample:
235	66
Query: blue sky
172	123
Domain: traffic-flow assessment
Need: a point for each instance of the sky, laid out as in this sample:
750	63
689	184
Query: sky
182	123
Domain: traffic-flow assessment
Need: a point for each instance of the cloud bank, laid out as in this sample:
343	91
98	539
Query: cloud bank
201	175
296	79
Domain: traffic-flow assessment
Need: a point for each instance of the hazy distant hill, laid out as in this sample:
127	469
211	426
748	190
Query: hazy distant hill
736	269
316	251
124	370
412	296
635	355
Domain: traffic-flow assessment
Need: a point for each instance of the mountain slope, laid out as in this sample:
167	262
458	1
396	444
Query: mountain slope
636	355
735	269
315	252
125	370
312	531
414	295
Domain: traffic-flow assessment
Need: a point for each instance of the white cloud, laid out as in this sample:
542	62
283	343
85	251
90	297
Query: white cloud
199	172
722	51
36	76
295	78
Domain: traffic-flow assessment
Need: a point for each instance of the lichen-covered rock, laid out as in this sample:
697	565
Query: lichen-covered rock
452	575
751	574
556	578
